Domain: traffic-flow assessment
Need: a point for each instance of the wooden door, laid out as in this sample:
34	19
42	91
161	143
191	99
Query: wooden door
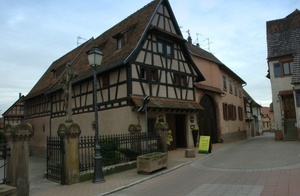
289	107
207	118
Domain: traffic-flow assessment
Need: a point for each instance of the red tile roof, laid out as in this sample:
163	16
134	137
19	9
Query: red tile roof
199	52
135	24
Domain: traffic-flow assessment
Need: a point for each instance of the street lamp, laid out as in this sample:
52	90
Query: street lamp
95	57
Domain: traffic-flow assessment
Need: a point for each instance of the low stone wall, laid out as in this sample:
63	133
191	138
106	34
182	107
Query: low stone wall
85	176
234	136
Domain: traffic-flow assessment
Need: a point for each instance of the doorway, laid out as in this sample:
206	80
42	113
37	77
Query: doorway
177	124
207	118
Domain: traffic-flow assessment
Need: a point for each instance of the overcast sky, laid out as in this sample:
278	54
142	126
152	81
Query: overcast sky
35	33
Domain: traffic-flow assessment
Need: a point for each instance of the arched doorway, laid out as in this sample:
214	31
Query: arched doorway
207	118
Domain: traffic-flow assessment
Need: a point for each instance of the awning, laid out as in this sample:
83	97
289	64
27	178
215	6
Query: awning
208	88
166	103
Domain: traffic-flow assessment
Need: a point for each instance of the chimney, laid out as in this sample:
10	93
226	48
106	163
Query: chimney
189	39
20	95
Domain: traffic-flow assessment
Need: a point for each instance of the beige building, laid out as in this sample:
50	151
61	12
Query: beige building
267	119
221	96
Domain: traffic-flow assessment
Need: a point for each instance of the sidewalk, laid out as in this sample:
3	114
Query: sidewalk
43	187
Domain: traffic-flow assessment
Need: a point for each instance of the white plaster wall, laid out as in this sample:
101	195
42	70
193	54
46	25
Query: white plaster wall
278	84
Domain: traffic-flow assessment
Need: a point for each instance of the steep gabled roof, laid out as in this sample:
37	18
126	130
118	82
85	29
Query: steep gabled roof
134	25
199	52
248	97
20	101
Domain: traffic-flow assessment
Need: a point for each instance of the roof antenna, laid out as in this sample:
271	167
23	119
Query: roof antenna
208	44
79	38
197	40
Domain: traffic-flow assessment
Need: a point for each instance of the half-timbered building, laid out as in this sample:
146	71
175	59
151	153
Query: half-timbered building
14	115
221	96
145	54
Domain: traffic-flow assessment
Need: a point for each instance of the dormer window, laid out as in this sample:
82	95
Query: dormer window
53	74
119	43
123	36
119	40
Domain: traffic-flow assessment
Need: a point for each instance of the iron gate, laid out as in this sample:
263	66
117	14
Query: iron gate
4	152
55	160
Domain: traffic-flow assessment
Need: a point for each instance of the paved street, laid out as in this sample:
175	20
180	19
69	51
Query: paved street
257	166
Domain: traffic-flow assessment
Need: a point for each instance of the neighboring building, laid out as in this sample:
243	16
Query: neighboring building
267	119
1	124
221	96
15	114
253	116
284	73
143	54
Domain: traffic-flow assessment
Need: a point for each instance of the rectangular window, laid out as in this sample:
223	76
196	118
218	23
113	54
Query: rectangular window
143	73
169	51
180	80
160	49
233	113
230	85
154	75
225	111
240	113
235	89
277	70
224	82
149	74
287	68
165	48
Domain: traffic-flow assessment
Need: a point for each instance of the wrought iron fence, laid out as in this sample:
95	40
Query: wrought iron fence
55	160
116	149
4	153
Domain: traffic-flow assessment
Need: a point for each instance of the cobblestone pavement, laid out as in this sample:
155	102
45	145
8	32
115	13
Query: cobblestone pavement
257	166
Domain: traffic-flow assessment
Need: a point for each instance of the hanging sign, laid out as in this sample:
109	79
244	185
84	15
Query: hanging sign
204	144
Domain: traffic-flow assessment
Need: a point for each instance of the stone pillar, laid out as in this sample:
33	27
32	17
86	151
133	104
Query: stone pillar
162	128
17	163
70	132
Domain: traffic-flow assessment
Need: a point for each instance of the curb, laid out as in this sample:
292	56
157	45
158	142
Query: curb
145	179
